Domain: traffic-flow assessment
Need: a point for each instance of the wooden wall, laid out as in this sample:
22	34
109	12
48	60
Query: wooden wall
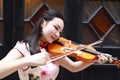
95	19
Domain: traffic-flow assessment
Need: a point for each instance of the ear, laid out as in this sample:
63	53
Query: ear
43	23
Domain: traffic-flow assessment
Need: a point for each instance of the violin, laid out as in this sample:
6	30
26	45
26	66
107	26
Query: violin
64	47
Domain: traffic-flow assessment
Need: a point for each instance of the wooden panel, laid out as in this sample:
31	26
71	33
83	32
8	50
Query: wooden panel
27	29
37	15
1	16
1	8
1	31
113	7
90	8
102	22
56	4
88	35
31	6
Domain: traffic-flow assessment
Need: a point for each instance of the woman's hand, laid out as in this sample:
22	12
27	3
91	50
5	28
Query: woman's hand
102	58
39	58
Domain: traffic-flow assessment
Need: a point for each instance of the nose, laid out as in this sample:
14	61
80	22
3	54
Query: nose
57	34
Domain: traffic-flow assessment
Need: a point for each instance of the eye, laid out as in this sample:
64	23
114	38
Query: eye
56	27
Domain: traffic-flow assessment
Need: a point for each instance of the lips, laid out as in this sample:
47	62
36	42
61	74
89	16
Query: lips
53	37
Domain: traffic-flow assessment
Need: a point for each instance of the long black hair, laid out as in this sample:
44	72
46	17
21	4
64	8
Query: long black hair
33	38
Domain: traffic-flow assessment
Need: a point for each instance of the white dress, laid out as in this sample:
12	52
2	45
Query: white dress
46	72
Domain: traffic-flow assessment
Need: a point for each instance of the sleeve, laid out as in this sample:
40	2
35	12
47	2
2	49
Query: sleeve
21	47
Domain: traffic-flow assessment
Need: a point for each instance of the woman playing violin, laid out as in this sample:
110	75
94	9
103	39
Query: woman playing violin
30	57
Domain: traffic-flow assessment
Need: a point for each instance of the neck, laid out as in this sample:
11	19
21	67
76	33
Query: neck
42	43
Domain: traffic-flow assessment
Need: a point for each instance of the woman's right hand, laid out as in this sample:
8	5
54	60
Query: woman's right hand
39	58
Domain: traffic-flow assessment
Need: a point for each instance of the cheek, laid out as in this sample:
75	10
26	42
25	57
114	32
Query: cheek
47	33
50	30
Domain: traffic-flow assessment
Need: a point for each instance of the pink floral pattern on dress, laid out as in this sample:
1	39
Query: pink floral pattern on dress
46	72
49	71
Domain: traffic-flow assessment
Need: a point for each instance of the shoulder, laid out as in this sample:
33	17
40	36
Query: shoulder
19	44
22	47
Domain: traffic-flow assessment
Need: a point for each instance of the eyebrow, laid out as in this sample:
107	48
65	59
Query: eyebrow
57	25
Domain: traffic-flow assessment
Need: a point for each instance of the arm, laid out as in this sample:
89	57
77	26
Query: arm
78	65
73	66
11	63
14	60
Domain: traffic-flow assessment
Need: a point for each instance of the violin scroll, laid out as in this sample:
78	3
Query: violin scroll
112	60
116	62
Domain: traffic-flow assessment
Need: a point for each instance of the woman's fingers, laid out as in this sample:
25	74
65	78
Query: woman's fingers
102	59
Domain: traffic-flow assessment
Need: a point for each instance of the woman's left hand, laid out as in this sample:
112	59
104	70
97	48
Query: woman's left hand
102	59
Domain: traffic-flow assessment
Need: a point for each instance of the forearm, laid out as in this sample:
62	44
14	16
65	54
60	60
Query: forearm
79	66
7	68
73	66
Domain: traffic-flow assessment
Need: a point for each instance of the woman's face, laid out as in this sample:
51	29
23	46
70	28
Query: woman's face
51	30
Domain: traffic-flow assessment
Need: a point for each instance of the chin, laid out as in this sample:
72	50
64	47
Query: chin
50	41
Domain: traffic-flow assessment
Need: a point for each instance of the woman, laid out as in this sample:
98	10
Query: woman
30	58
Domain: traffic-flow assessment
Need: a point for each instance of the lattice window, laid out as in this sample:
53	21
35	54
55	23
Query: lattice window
99	17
